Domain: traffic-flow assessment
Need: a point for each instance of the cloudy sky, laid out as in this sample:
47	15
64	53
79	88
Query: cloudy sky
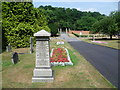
102	6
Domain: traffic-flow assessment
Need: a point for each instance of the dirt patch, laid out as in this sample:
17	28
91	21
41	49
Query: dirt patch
21	50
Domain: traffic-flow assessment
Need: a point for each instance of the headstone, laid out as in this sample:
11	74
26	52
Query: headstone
66	31
69	30
93	37
42	71
31	45
8	48
59	43
80	33
60	31
15	58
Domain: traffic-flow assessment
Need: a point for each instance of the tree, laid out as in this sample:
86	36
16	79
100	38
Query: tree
54	28
106	26
116	16
85	23
20	21
70	18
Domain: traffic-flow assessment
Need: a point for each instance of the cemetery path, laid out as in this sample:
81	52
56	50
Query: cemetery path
104	59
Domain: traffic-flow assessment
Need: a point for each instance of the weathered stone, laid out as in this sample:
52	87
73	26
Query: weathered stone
8	48
66	31
93	38
31	45
15	58
42	71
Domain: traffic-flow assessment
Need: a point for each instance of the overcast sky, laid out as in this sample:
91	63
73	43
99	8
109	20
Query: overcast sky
102	6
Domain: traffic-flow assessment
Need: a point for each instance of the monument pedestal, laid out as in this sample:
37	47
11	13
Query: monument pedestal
42	71
42	79
42	75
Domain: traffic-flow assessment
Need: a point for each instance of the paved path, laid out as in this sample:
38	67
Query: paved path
103	58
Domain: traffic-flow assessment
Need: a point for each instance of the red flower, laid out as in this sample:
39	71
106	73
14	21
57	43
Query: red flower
59	55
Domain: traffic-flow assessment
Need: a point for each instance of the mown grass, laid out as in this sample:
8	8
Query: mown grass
110	43
81	75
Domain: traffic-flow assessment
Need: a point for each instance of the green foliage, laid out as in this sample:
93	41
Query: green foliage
76	34
116	17
70	18
107	26
20	21
83	35
54	28
86	23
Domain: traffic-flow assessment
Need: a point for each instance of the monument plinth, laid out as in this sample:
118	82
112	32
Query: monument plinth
42	71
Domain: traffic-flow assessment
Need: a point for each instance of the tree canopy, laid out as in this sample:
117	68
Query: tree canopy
20	21
70	18
109	25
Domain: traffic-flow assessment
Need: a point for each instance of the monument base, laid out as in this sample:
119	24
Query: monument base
42	79
42	75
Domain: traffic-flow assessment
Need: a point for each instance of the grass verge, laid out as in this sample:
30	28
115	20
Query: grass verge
110	43
81	75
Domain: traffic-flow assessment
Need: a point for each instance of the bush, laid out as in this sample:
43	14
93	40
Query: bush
76	34
20	22
83	35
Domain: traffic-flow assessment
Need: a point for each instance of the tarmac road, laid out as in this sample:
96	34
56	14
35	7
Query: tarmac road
104	59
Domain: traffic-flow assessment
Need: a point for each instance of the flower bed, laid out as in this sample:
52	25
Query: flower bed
60	56
99	42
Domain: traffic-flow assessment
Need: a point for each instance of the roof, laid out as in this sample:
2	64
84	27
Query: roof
78	32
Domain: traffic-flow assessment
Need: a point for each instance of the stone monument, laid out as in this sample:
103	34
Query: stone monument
60	31
42	71
66	31
31	45
93	37
8	48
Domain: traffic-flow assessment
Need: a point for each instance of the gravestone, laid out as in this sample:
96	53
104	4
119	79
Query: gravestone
15	58
42	71
31	45
80	33
8	48
69	30
58	43
60	31
66	31
93	37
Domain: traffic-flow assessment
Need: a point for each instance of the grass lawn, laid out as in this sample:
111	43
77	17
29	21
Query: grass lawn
81	75
110	43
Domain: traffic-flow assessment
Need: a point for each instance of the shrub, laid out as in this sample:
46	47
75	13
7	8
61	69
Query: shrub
76	34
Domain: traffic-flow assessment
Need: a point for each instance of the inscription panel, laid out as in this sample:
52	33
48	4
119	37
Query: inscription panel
42	54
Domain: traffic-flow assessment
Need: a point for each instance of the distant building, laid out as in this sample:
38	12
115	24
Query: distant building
79	32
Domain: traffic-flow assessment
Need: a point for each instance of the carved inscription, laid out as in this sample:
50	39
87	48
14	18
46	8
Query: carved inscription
42	53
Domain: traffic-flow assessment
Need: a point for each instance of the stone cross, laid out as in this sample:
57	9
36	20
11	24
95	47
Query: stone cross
31	45
42	71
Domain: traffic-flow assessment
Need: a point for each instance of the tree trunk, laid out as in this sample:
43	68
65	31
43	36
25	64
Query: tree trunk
110	36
